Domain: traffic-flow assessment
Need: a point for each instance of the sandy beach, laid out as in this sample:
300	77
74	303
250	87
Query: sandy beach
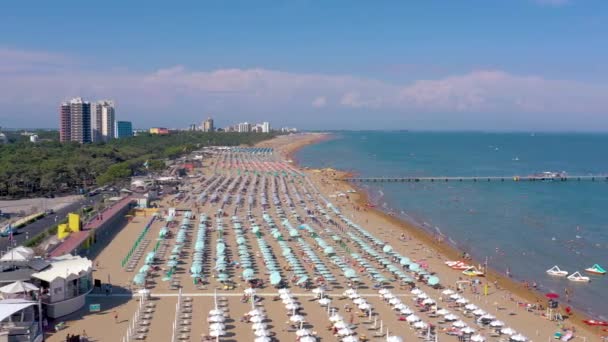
496	295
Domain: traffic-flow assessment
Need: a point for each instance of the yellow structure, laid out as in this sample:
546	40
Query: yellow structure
63	231
74	222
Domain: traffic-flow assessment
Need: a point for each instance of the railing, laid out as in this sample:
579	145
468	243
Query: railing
139	239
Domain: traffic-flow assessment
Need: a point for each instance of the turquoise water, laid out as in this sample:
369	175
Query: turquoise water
526	227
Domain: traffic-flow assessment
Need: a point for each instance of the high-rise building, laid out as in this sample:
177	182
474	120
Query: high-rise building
265	127
96	122
244	127
208	125
107	119
80	120
65	123
124	129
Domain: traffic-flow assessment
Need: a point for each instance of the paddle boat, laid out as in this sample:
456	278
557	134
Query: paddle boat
473	272
451	263
460	266
557	272
578	277
596	269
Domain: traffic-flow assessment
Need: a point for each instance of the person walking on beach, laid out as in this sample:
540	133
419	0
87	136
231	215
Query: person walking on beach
115	317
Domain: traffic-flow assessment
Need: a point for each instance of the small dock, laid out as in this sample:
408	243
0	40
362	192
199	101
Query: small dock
596	178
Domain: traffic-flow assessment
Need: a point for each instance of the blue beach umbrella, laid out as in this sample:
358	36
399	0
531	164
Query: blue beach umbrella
405	261
139	279
275	278
433	280
350	273
414	267
248	273
387	249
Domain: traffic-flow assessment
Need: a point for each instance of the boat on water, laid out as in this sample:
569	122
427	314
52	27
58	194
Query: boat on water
596	269
578	277
557	272
473	272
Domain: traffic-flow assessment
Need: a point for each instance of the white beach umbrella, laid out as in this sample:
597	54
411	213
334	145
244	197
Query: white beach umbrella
217	326
400	306
296	318
478	338
216	319
350	338
428	301
479	312
406	311
467	330
364	306
263	339
519	338
422	296
257	326
255	312
249	291
216	312
412	318
450	317
308	339
462	301
471	307
359	301
303	332
349	291
317	290
324	301
447	292
420	325
455	296
217	333
336	318
388	295
416	291
354	295
345	332
507	331
394	339
443	312
256	319
394	301
340	325
383	291
497	323
283	291
487	316
261	332
459	324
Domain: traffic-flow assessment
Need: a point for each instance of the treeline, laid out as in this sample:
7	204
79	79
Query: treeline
28	169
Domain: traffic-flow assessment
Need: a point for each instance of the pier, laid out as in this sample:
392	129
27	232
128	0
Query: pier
602	178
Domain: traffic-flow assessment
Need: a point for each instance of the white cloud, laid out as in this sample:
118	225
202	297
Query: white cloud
186	93
319	102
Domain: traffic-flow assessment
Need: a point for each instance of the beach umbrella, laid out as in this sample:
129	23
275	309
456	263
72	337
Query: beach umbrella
450	317
216	312
324	301
479	312
497	323
519	338
262	339
275	278
217	333
387	249
217	326
406	311
335	318
477	338
296	318
261	332
350	273
394	339
345	332
433	280
216	319
256	319
144	269
414	267
303	332
139	279
302	280
412	318
459	324
552	295
247	273
471	307
308	339
420	325
257	326
328	250
467	330
507	331
447	292
443	312
416	291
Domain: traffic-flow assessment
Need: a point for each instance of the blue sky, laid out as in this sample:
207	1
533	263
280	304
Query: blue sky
487	64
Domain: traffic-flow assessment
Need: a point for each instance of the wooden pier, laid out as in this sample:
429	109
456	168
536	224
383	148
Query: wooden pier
603	178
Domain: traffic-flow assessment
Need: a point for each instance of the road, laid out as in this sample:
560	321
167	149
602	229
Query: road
46	222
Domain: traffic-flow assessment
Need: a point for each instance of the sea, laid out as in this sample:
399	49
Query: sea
523	228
